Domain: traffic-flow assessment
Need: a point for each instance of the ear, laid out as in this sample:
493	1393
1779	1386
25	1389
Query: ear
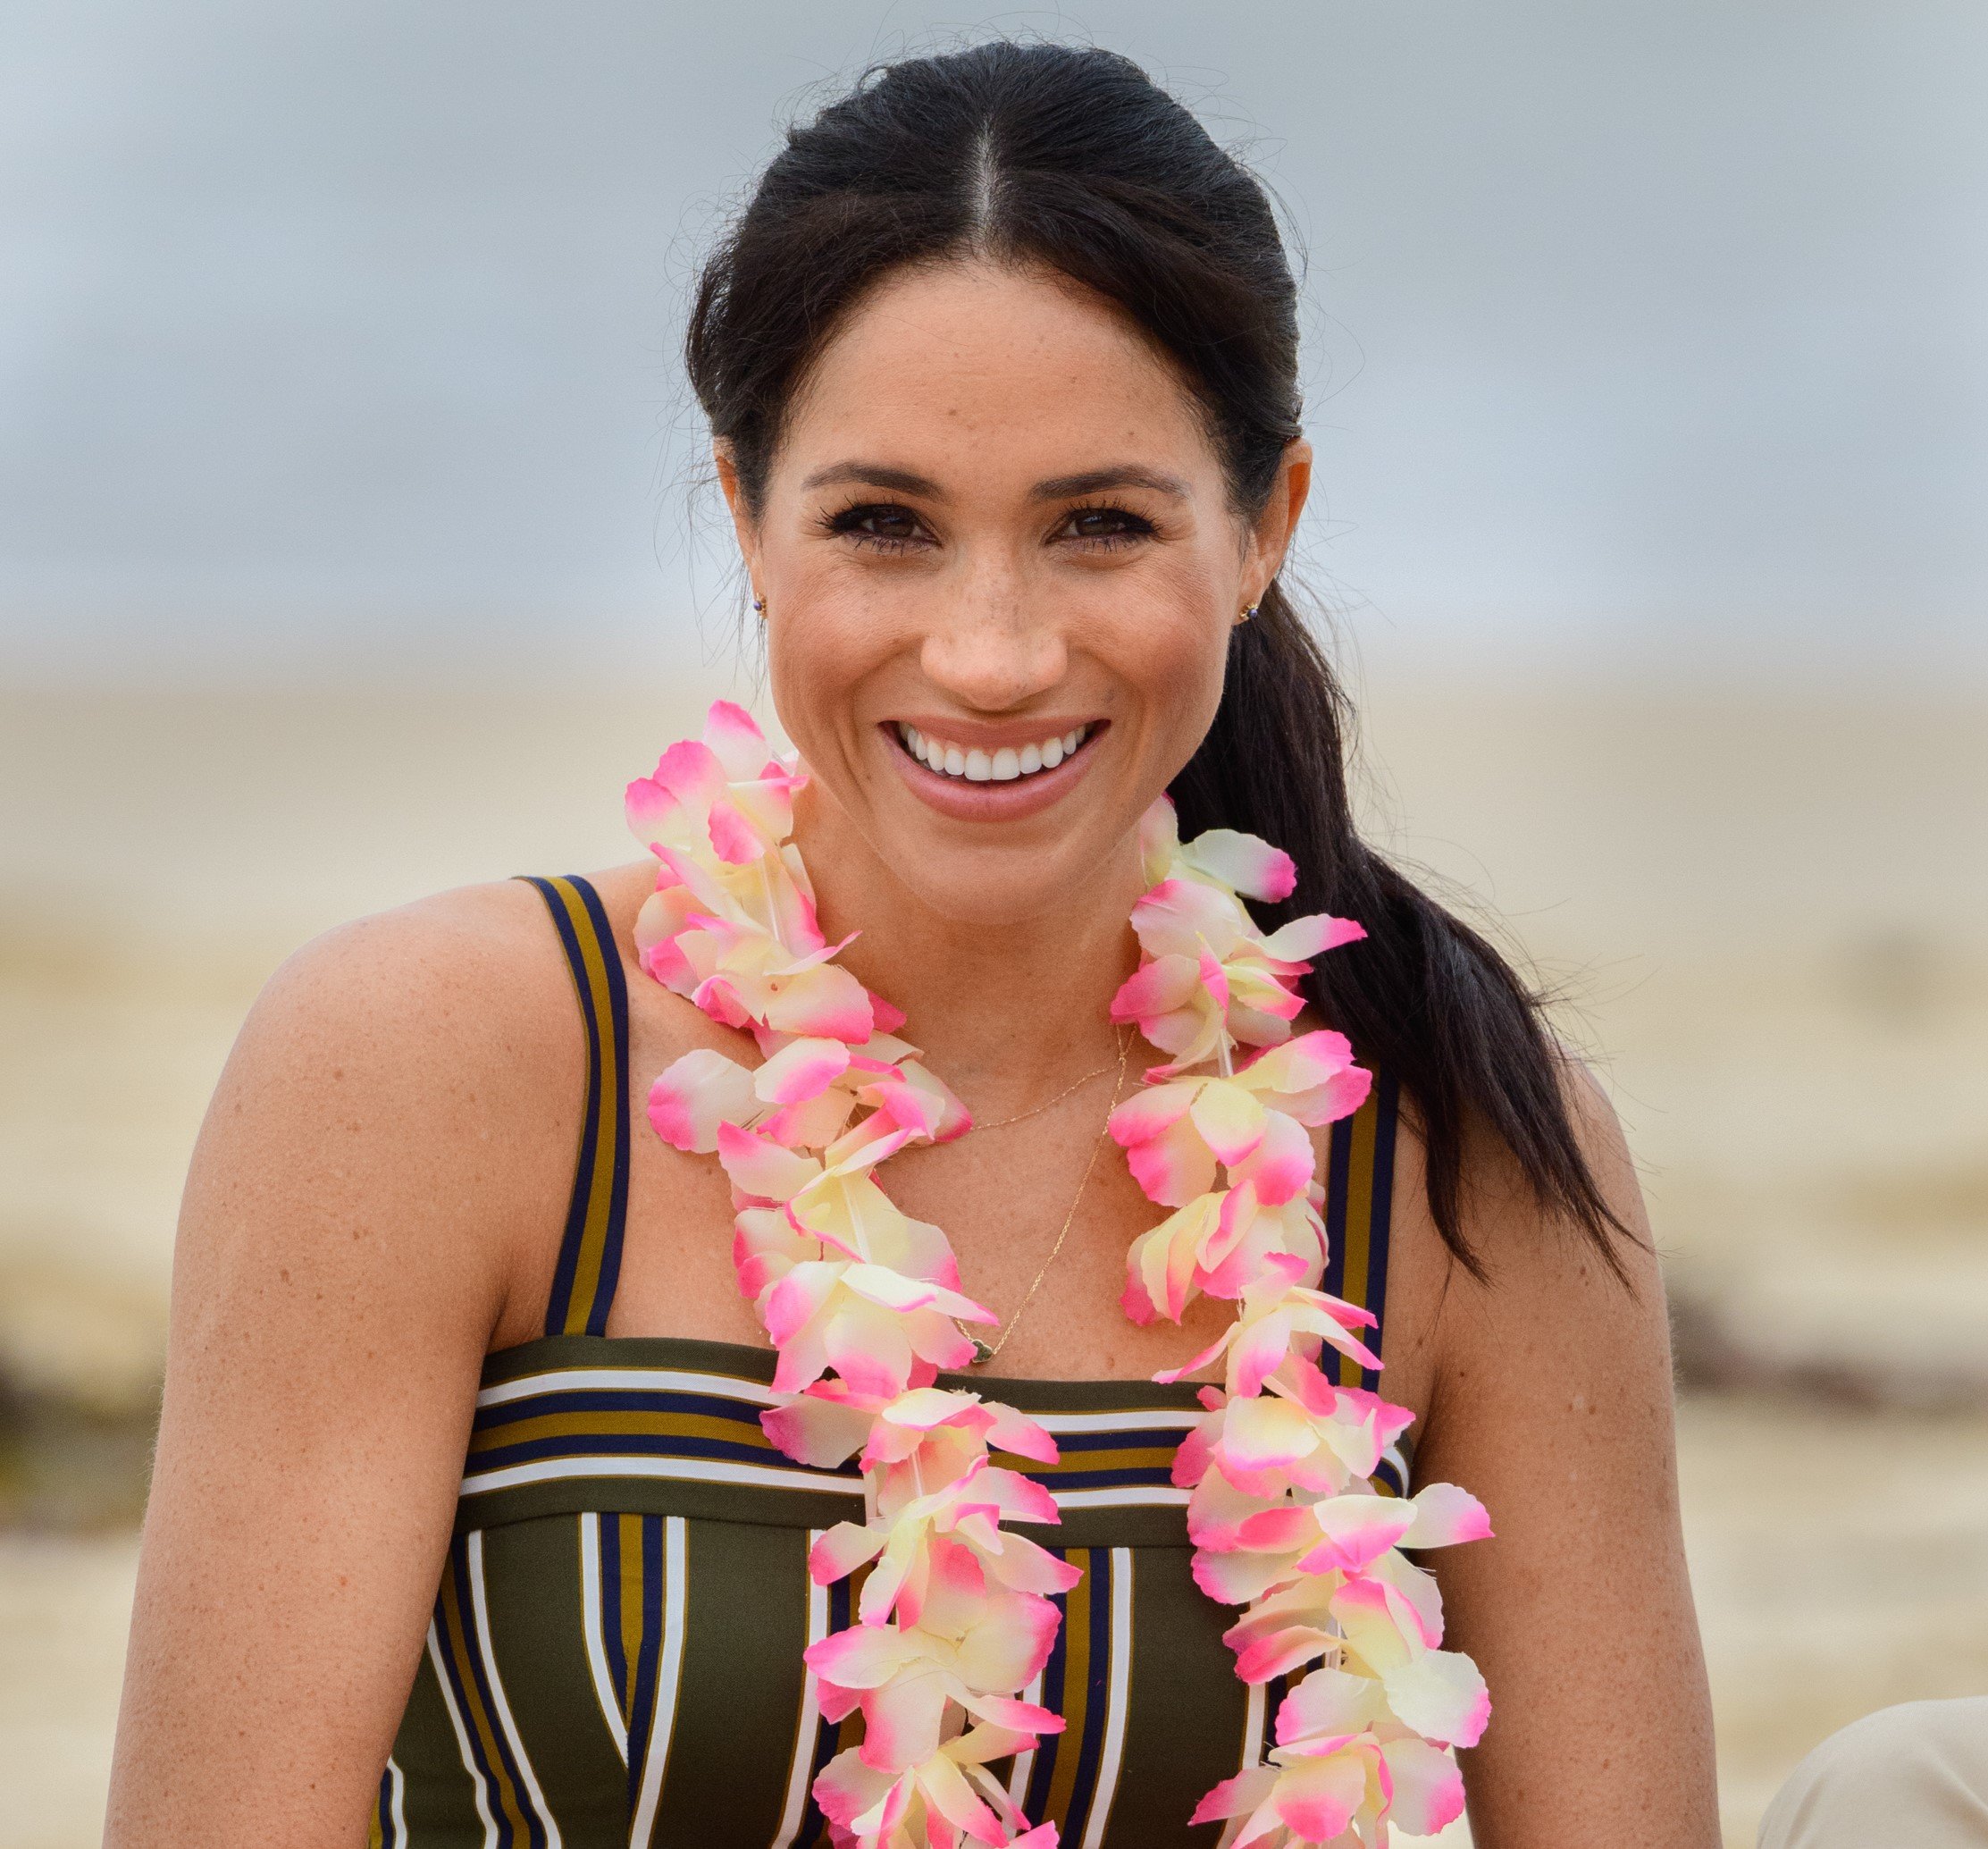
1269	534
742	523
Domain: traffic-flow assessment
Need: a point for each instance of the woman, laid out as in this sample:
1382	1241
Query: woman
1001	366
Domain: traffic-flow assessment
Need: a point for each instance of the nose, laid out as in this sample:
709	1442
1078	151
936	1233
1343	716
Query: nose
991	645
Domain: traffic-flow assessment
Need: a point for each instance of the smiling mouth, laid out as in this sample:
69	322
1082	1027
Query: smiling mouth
1007	765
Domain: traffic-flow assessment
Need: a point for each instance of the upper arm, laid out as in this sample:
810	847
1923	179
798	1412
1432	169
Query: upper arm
378	1152
1551	1400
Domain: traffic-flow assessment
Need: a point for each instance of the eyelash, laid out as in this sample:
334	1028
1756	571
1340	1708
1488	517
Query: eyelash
845	523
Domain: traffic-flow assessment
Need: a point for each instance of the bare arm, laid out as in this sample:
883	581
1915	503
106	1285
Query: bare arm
393	1128
1551	1400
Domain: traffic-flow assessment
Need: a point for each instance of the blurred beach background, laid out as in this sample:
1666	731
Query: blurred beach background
347	552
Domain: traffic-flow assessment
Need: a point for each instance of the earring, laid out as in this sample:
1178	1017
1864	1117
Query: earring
1249	611
760	608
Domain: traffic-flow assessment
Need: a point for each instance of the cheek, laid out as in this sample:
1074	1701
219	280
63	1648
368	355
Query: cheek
1171	656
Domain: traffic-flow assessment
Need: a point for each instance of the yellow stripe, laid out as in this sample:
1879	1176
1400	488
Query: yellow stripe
1078	1623
459	1648
1359	1226
593	1240
631	1612
375	1832
624	1424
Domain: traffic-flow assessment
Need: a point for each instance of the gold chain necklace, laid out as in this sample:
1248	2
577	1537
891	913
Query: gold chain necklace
983	1352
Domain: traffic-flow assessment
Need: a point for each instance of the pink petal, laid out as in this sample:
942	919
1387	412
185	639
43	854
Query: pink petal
694	1095
800	1069
1236	1796
1304	938
1441	1695
736	743
760	1167
841	1550
1318	1797
1428	1788
1445	1516
1253	866
825	1001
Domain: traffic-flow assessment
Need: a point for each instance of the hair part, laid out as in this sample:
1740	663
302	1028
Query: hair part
1072	159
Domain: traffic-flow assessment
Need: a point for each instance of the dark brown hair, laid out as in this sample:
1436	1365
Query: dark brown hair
1073	158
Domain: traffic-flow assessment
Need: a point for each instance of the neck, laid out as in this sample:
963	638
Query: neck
1006	1010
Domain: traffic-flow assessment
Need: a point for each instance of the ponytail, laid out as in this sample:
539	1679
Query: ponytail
1425	996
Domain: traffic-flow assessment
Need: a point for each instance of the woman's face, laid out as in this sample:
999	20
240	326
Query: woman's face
1000	567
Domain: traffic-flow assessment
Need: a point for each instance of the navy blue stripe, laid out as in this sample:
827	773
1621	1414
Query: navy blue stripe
389	1837
1164	1438
1338	1174
1096	1697
664	1444
1042	1773
457	1573
814	1826
534	1825
649	1399
610	1609
617	1186
563	1277
641	1710
1387	1103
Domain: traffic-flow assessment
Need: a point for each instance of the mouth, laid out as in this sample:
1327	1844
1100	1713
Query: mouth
1004	764
1001	774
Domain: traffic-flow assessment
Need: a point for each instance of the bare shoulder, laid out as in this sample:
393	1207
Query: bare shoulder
1547	1296
409	1083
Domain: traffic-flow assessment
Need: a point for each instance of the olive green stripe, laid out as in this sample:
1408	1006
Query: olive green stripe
439	1802
745	1626
1186	1707
538	1634
743	1361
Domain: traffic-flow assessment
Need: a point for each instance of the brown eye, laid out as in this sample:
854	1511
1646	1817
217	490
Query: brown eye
1105	525
880	523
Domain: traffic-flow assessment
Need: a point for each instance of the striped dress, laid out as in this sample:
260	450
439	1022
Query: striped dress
616	1652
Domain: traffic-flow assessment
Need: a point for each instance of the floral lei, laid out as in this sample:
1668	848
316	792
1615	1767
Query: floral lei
864	1306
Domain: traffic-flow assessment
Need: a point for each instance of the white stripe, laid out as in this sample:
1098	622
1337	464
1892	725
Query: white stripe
1116	1700
630	1380
1126	1496
590	1606
531	1794
1252	1727
806	1728
458	1721
1025	1761
668	1670
393	1834
703	1470
723	1386
1144	1419
770	1476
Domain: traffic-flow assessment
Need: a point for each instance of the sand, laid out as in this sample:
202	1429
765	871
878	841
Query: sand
1769	912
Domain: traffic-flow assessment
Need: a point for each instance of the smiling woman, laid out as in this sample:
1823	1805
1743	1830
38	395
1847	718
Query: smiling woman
665	1500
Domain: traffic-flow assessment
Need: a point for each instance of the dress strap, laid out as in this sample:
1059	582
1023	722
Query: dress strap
589	1255
1359	1194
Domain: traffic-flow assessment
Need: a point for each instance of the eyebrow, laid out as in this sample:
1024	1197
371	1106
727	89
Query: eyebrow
1095	481
904	481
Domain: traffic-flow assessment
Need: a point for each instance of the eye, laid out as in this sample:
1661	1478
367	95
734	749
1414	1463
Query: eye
1103	527
886	525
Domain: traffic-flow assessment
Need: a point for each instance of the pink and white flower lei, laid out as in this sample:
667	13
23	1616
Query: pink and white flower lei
863	1305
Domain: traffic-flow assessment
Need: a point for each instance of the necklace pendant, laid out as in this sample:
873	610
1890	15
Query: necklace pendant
982	1351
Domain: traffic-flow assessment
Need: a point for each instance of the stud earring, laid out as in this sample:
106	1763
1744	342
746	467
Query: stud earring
760	608
1249	611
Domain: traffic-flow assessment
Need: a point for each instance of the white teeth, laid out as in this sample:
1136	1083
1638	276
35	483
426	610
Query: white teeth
1003	765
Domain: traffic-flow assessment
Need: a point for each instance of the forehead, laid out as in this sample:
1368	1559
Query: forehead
971	365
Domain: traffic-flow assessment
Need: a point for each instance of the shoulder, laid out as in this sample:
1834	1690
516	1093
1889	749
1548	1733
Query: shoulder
408	1084
1544	1286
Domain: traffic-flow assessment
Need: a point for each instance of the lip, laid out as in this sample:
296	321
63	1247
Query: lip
956	798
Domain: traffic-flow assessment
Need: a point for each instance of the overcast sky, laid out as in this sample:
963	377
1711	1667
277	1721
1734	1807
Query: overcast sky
339	338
